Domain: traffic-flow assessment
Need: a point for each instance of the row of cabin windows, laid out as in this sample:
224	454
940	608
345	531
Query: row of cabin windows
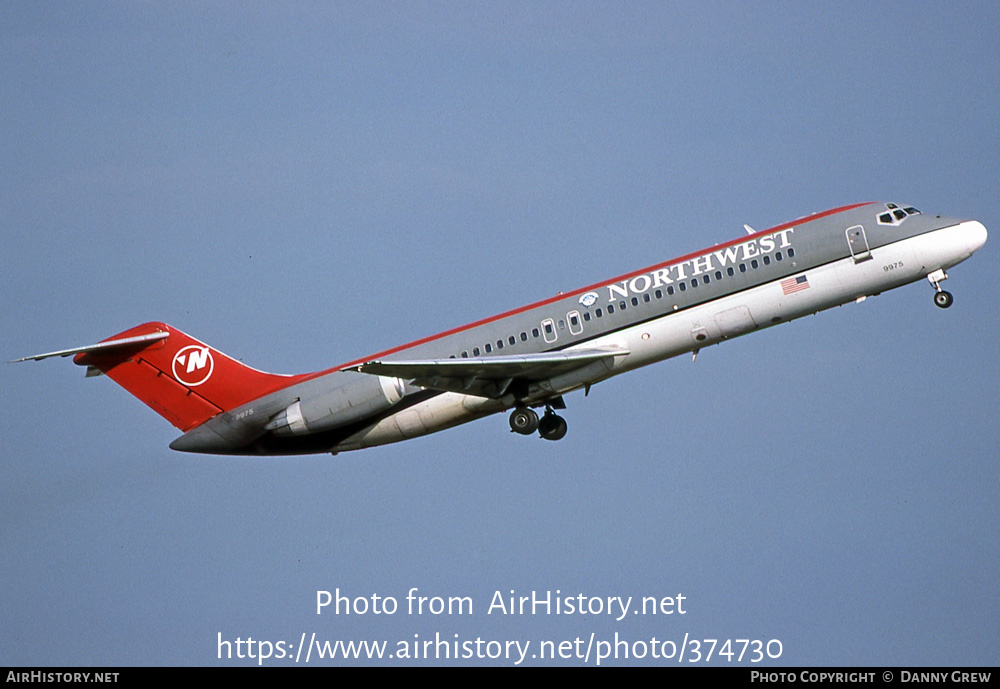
683	286
622	305
488	347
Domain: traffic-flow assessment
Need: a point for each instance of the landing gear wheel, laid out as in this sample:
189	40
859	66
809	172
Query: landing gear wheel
523	421
552	427
943	299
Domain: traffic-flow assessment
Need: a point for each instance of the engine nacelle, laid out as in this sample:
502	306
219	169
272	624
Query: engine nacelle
338	407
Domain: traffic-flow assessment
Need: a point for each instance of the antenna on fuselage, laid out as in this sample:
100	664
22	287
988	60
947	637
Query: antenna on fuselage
749	229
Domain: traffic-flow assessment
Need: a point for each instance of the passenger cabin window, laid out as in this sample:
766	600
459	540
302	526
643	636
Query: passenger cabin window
575	324
549	330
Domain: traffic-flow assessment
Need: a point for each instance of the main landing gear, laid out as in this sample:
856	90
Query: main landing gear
550	427
523	421
941	298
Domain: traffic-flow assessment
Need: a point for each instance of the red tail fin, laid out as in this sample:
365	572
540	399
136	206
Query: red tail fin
183	380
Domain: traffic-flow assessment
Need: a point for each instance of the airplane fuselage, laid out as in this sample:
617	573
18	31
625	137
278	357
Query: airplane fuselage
662	311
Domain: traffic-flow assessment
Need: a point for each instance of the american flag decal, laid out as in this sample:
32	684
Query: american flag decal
792	285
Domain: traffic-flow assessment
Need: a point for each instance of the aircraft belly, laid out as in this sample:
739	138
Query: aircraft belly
735	321
438	413
408	423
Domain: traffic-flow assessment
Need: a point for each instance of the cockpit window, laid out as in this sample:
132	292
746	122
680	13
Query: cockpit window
895	215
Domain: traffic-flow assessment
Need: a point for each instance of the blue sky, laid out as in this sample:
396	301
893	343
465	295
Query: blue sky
302	184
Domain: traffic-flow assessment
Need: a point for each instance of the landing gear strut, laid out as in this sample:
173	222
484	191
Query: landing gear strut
941	298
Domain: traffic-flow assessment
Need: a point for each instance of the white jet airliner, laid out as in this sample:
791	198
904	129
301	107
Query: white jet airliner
530	357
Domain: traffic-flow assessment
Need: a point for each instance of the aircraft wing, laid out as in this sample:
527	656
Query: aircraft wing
490	376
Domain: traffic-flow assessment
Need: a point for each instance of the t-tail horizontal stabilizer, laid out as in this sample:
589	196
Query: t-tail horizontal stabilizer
107	346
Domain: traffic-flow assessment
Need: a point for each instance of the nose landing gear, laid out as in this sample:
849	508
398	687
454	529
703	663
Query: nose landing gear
941	298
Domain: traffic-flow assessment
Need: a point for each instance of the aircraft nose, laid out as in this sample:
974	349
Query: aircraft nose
974	234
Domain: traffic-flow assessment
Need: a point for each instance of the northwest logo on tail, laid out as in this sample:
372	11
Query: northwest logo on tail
193	365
